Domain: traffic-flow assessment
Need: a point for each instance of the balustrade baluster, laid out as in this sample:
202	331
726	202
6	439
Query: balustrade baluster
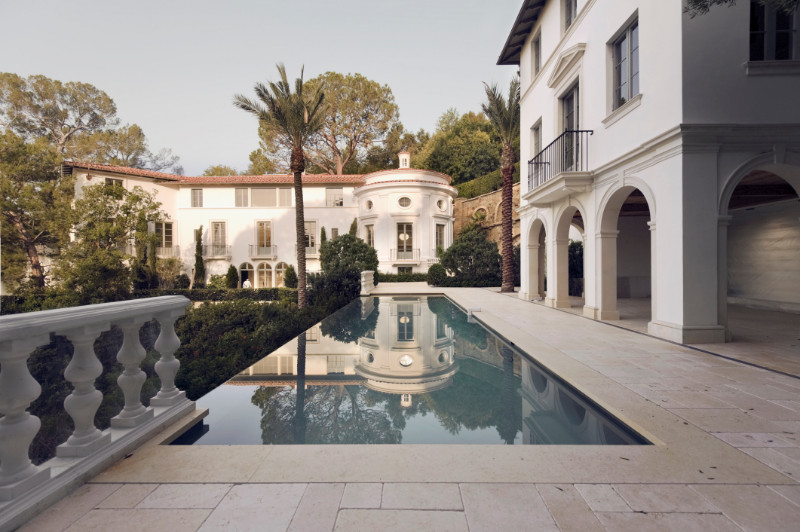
85	399
167	367
18	389
130	355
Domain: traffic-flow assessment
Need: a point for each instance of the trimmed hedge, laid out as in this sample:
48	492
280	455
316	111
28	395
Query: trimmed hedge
224	294
401	277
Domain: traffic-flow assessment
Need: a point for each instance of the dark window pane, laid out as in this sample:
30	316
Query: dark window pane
783	45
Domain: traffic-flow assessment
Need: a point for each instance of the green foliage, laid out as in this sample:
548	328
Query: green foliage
464	148
575	267
290	277
485	183
701	7
35	207
217	282
260	163
400	277
220	170
473	260
349	323
223	294
383	155
182	281
199	264
323	236
126	146
347	251
95	265
169	273
331	290
358	113
436	275
353	227
232	277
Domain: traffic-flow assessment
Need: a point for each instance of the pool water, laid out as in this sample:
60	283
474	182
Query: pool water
401	370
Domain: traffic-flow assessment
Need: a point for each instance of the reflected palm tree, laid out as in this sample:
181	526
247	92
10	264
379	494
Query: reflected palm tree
299	423
509	419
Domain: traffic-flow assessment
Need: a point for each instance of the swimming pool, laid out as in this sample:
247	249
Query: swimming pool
401	370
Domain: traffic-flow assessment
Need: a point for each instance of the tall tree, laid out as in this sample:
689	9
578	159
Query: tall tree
359	112
294	116
503	113
126	146
220	170
39	106
701	7
35	206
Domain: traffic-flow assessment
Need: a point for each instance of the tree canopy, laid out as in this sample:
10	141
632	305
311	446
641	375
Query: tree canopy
220	170
126	146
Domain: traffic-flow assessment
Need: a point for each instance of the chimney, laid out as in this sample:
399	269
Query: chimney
405	159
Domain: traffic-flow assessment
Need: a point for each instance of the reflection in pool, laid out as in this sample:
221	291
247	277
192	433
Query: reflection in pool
400	370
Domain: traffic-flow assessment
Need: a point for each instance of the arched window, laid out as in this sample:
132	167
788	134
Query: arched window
264	275
280	269
246	274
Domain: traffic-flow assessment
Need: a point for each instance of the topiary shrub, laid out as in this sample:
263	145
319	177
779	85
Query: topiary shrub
232	277
473	260
436	275
216	282
290	276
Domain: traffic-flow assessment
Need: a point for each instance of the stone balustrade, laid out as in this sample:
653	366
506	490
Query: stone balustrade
25	487
367	282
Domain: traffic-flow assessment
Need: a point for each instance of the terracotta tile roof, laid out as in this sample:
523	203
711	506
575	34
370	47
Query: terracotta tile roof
123	170
288	179
354	179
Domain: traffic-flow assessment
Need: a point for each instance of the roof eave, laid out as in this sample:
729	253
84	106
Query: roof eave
527	17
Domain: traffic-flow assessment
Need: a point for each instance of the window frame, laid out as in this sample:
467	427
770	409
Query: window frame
242	197
769	33
162	240
625	50
334	196
536	54
369	235
570	13
197	197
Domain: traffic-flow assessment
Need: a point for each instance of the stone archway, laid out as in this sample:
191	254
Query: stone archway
758	247
537	260
625	259
571	217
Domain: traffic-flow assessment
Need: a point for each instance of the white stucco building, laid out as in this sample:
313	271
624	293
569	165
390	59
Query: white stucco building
673	145
249	221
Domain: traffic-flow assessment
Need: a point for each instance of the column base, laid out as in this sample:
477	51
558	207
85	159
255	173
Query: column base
71	451
550	302
174	399
562	303
9	492
524	296
606	315
590	312
122	421
687	334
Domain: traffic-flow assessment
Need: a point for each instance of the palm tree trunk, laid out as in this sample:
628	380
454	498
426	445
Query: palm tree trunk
298	165
507	169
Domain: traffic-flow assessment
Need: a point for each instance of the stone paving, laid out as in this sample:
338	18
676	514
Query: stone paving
725	455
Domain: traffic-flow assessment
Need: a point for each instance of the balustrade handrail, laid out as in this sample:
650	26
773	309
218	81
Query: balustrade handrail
567	153
88	450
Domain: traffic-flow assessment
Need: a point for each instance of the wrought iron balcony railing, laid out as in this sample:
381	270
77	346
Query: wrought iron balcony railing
263	252
568	153
410	255
216	251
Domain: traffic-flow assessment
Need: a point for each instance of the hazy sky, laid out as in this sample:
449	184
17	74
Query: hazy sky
173	66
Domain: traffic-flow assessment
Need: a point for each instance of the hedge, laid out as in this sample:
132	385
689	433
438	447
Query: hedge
401	277
223	294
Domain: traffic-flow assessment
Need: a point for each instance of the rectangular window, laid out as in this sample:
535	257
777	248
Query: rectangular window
311	237
284	197
405	320
570	12
241	197
197	197
569	109
263	234
334	232
263	197
334	197
772	33
536	55
405	241
164	232
369	235
626	65
536	139
111	182
440	236
218	239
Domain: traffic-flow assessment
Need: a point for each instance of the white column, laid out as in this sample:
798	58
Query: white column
606	253
529	264
722	274
560	283
18	389
85	399
130	355
653	272
167	367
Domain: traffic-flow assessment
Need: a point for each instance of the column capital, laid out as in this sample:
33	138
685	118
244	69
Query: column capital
651	225
607	234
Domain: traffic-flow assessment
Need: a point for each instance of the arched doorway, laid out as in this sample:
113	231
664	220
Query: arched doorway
759	260
264	275
568	282
624	254
245	273
280	271
537	261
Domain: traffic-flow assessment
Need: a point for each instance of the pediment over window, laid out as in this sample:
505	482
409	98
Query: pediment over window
565	62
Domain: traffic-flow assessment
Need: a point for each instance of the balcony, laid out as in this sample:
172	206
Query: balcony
310	250
168	252
405	256
560	169
89	450
217	251
263	252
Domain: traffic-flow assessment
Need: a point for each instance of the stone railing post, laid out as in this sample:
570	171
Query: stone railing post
18	389
130	355
85	399
167	367
367	282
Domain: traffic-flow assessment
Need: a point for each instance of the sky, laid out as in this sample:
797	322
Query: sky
173	66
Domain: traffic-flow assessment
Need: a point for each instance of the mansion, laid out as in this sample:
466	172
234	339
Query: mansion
249	221
672	144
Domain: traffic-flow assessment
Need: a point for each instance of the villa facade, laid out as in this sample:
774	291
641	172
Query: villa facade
672	144
249	221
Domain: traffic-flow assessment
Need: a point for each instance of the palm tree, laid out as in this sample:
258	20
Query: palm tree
294	117
504	116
